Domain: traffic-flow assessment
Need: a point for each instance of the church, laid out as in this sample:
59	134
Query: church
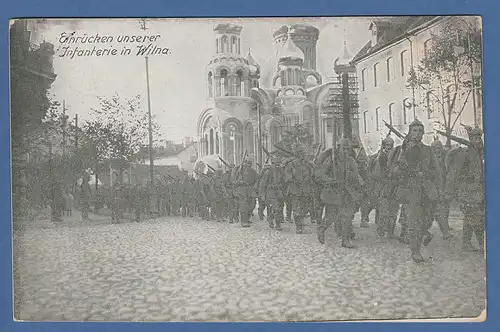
236	101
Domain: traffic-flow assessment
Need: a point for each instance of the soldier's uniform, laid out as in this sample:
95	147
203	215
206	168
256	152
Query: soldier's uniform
440	209
217	196
271	188
231	207
244	178
206	195
465	182
188	196
380	190
417	174
299	176
341	190
85	194
261	194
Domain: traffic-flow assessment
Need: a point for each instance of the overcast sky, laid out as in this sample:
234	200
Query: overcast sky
177	82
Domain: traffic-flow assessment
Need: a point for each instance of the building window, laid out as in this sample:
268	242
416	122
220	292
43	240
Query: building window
224	44
377	113
407	110
363	78
404	62
375	72
210	88
233	44
223	82
217	45
391	113
390	69
427	46
365	116
240	88
239	50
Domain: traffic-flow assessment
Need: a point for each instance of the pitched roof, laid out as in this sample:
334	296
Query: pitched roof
392	29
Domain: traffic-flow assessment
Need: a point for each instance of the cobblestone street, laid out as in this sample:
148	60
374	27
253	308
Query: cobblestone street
190	270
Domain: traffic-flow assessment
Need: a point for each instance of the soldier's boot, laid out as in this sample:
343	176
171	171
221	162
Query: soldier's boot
390	229
347	242
415	249
403	237
427	238
278	222
321	235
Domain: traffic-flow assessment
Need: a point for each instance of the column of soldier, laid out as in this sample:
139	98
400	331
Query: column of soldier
412	180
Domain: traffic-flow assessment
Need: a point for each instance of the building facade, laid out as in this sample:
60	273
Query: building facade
383	65
237	103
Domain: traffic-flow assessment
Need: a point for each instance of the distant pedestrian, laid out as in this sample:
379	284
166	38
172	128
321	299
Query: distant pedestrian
69	201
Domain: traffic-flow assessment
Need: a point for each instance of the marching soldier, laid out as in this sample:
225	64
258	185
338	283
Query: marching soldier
271	186
217	195
417	173
206	195
261	194
244	181
440	210
341	190
298	175
187	196
231	205
381	190
465	182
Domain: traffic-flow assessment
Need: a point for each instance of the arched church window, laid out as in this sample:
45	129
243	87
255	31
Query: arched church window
224	82
240	84
211	141
210	87
217	45
249	139
225	46
217	143
233	44
239	50
206	144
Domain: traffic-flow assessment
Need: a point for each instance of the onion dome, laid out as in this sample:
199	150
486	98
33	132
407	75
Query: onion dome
290	53
345	57
253	65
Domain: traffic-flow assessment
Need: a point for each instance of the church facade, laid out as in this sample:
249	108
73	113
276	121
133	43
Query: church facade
228	126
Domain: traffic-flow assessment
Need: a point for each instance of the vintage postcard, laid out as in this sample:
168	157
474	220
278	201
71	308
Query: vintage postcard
248	169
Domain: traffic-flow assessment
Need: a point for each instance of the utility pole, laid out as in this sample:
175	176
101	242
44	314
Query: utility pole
346	107
150	129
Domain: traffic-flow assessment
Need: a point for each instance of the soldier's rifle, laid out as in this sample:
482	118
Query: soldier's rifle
267	153
394	130
199	173
224	162
213	169
291	154
454	138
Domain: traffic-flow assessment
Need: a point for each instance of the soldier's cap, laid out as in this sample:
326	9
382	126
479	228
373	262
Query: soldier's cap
415	123
474	131
388	140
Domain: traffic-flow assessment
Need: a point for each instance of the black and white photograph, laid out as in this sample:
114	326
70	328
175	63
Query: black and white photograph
287	169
